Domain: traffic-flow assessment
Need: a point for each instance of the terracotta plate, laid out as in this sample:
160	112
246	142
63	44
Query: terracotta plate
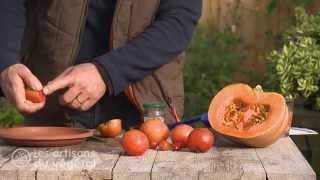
44	136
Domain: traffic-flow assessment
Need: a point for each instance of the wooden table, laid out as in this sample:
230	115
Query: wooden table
104	159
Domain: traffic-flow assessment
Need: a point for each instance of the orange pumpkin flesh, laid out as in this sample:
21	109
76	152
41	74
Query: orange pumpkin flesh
248	116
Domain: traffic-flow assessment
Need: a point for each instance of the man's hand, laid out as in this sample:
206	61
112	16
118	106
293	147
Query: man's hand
85	86
14	80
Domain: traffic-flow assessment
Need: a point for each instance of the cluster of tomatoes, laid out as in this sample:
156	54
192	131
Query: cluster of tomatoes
153	134
156	135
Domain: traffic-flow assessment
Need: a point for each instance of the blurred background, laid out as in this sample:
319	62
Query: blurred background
273	43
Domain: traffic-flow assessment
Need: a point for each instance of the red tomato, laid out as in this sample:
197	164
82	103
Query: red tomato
156	131
135	142
165	146
200	140
181	133
153	145
110	129
35	96
176	146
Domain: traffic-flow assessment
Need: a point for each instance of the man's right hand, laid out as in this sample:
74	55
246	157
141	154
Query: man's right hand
14	80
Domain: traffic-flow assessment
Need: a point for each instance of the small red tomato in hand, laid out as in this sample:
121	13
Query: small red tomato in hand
35	96
200	140
176	146
181	133
135	142
110	129
164	146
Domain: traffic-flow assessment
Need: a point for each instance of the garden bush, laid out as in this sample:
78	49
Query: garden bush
297	63
9	116
211	61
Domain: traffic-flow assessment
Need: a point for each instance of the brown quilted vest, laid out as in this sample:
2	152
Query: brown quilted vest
52	39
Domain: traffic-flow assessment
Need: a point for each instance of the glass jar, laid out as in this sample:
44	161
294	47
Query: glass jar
290	105
154	110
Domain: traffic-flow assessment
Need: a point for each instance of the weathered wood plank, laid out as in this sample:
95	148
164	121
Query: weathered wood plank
5	152
89	160
18	166
226	163
229	161
97	164
283	160
174	165
107	155
138	167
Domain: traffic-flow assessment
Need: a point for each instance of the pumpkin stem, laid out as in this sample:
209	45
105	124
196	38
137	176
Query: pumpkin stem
258	88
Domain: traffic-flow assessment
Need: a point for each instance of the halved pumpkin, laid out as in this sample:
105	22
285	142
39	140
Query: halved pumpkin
248	116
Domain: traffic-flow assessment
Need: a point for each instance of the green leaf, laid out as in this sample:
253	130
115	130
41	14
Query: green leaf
272	6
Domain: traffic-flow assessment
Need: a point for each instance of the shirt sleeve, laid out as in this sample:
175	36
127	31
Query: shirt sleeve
12	20
164	39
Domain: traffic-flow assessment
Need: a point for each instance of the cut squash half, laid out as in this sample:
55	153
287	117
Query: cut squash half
249	116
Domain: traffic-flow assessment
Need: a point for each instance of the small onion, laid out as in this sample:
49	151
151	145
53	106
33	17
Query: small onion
110	129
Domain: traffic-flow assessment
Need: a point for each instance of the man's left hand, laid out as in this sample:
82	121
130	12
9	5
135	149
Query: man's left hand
85	86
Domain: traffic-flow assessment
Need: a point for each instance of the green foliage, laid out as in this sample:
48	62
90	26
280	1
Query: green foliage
297	64
273	4
9	116
304	25
210	64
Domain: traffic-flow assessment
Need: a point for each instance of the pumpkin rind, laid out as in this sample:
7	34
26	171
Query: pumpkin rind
260	135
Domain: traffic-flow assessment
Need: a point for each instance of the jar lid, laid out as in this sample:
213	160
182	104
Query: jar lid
154	104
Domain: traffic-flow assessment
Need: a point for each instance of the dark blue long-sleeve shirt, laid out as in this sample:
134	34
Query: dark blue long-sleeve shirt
12	19
164	39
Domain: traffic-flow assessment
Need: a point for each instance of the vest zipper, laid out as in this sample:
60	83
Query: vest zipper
172	108
129	92
76	50
81	30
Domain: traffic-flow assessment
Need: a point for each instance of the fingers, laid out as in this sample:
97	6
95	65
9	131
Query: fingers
58	83
17	93
19	99
13	81
33	107
64	72
76	102
85	86
82	97
87	105
69	96
29	79
80	100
